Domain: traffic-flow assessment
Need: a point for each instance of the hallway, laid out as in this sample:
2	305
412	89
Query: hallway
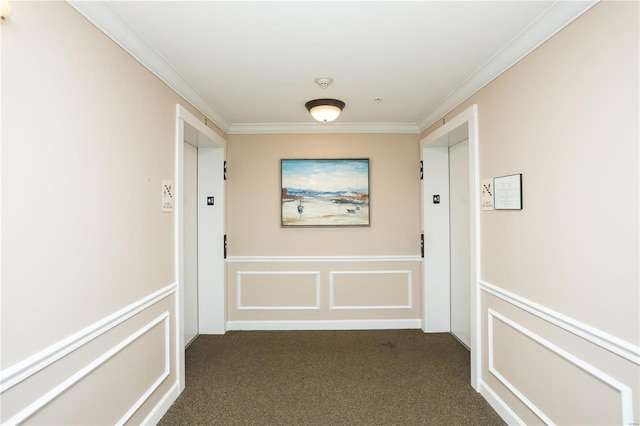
380	377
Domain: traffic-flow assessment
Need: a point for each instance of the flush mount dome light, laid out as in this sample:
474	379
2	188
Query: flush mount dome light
325	110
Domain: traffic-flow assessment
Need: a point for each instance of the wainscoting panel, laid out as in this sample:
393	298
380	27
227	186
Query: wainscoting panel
278	290
542	367
337	292
562	371
104	374
370	290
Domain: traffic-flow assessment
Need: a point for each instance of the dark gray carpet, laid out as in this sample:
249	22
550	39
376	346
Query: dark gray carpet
381	377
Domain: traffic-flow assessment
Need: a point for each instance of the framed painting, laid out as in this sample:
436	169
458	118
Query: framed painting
325	192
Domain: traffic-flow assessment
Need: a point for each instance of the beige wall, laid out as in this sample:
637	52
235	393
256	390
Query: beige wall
259	247
87	136
567	118
253	201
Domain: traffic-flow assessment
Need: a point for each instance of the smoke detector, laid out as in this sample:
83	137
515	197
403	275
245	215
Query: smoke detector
323	82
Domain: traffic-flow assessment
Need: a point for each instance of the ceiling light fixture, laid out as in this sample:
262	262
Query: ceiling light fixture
325	110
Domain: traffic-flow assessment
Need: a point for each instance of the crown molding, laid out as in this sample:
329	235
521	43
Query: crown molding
553	19
100	14
274	128
557	16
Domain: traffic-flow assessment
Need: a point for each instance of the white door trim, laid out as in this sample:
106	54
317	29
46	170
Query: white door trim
211	229
435	152
459	194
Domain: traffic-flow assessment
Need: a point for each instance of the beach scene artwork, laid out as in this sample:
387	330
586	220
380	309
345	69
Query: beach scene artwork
326	192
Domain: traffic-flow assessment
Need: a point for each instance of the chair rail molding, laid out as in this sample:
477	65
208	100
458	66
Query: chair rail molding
291	259
598	337
21	371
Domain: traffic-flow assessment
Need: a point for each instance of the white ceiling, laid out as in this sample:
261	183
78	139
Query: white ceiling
250	66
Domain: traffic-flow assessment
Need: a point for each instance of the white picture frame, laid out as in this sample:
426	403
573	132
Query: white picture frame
507	192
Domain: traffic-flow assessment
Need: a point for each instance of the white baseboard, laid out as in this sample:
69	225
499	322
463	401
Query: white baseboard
503	410
163	406
325	325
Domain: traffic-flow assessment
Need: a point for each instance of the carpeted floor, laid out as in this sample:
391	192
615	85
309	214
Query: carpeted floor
381	377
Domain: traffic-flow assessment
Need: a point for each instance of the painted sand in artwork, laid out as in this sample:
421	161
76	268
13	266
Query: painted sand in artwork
325	192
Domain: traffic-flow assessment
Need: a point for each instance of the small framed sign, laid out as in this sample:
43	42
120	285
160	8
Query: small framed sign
167	195
507	192
486	194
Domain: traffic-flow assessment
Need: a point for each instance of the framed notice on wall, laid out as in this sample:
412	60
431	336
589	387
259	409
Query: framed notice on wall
507	192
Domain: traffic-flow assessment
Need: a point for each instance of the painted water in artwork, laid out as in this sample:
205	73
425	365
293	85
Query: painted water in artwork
325	192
